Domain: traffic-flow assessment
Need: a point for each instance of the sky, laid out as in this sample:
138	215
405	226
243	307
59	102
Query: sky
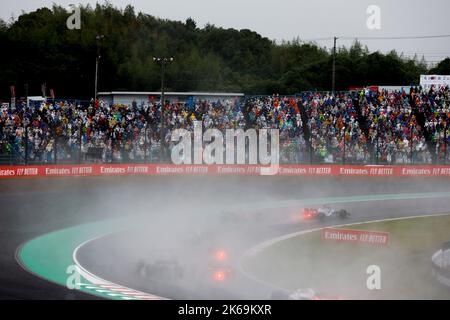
287	19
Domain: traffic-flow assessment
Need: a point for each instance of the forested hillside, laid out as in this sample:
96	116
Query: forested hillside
38	48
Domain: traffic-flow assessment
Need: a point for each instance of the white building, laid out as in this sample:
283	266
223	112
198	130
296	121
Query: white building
426	81
121	97
395	88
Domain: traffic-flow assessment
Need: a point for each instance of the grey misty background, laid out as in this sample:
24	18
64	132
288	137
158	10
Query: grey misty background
288	19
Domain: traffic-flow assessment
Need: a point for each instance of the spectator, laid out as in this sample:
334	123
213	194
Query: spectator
387	127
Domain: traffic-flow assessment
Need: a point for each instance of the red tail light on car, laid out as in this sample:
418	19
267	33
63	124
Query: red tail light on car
306	214
220	255
219	276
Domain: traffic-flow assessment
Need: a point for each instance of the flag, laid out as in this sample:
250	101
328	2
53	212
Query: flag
13	96
44	89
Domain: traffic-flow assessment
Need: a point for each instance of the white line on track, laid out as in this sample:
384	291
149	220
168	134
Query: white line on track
263	245
110	286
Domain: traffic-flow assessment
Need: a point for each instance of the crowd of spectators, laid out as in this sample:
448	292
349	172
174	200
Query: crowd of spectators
356	127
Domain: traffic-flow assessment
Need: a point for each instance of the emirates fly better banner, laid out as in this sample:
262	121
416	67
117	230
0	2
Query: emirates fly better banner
356	236
218	170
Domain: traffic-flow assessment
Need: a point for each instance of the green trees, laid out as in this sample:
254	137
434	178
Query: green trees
38	48
442	68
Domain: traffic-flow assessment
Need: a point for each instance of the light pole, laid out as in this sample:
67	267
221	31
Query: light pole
333	76
97	60
162	62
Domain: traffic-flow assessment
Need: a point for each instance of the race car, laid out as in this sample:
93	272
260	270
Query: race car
163	270
204	266
300	294
323	213
221	274
218	265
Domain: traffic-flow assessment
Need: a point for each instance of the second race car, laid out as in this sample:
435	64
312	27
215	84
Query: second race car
323	213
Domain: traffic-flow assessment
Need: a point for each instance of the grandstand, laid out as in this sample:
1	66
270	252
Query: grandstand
362	127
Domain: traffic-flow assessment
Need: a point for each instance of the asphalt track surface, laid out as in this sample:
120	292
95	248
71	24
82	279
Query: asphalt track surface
32	207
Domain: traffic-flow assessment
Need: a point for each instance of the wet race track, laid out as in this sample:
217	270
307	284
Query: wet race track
181	224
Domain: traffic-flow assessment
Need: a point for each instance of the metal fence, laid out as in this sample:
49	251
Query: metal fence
70	143
145	147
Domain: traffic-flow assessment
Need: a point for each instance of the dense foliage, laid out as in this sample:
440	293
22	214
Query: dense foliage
38	48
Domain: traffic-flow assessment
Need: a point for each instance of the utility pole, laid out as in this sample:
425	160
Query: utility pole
333	77
162	62
97	60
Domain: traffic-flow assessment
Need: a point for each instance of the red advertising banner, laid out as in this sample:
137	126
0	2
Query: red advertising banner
356	236
220	170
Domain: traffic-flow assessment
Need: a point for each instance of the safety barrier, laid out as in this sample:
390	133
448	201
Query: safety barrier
222	170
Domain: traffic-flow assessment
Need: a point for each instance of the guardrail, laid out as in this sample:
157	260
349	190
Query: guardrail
222	170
